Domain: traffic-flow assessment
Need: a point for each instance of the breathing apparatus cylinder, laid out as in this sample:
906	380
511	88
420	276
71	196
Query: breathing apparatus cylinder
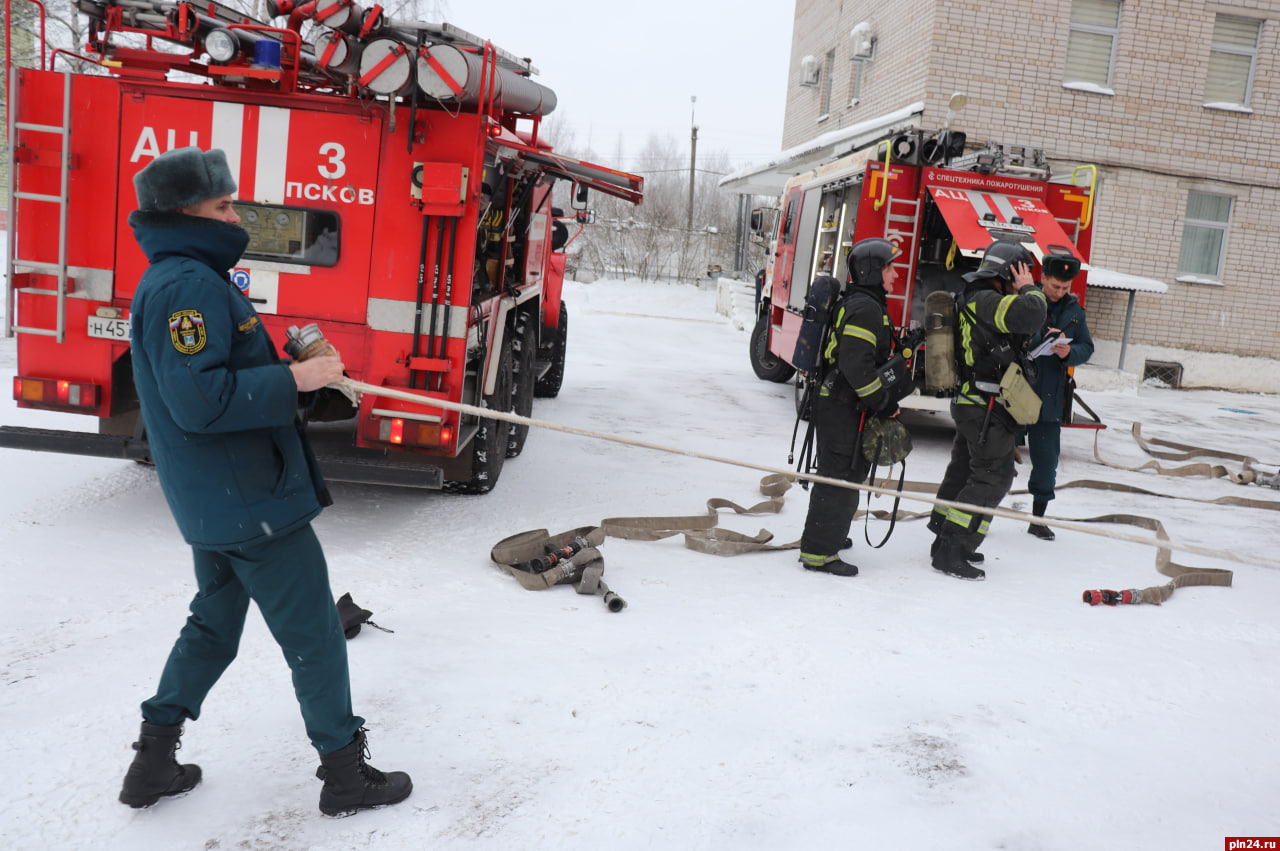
940	342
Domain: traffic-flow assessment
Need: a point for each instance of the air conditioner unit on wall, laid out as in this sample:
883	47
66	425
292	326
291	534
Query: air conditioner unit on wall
810	71
862	41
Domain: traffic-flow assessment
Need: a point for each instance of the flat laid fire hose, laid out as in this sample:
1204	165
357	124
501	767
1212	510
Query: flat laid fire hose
1246	476
521	554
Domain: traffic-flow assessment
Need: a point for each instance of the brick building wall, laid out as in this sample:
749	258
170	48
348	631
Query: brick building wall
1152	137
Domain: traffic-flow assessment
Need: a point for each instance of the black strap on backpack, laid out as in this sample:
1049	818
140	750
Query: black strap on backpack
893	514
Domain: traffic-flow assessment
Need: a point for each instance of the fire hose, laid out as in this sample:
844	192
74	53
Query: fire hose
1164	544
539	561
532	556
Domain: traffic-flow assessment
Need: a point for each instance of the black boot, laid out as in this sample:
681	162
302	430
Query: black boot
1041	531
971	556
351	784
155	773
949	558
828	564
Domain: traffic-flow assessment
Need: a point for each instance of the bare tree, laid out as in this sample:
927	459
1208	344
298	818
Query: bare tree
655	240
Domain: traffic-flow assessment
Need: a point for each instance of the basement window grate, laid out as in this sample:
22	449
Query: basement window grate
1165	372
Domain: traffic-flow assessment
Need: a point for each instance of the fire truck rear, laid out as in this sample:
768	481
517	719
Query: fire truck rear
941	201
396	191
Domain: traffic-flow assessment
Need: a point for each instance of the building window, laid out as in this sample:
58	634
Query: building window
855	81
828	69
1232	60
1091	42
1204	236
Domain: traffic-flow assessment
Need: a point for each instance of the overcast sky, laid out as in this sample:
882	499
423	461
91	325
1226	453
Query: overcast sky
628	70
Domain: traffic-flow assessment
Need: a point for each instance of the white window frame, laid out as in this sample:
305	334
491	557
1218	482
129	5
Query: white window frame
1192	277
1093	29
1238	51
828	71
856	69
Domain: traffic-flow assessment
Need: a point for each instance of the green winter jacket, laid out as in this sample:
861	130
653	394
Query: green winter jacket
220	407
1050	382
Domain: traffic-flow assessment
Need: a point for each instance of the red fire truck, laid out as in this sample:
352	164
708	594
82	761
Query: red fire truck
941	201
397	195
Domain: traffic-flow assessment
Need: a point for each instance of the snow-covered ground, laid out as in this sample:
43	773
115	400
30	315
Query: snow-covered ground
737	703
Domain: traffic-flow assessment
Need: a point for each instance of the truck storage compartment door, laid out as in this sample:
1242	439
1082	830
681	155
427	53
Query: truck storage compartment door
977	216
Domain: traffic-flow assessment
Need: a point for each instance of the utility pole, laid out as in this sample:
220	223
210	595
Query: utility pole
693	158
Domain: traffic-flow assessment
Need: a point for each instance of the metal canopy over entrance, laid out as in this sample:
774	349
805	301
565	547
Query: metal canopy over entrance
1132	284
770	177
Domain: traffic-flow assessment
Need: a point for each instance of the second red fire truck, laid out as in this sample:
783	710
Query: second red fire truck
941	201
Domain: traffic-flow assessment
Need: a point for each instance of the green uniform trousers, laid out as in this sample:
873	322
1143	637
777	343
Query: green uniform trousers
1045	442
289	580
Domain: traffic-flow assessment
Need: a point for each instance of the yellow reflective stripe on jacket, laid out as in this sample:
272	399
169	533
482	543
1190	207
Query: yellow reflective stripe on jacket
868	389
1003	309
829	353
860	333
966	340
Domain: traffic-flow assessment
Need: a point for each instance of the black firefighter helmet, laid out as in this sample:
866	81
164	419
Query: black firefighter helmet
867	259
999	259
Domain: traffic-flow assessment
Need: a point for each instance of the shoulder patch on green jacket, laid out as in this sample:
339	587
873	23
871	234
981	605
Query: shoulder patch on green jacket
186	330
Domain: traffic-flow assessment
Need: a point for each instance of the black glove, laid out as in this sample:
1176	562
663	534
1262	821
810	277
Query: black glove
352	616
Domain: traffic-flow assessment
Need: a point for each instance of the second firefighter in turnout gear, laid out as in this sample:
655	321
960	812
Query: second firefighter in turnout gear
1001	308
861	341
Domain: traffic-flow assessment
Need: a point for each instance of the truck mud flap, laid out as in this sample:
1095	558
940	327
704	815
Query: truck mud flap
75	443
337	468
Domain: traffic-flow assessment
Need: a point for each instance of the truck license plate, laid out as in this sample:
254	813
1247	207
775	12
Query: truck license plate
109	329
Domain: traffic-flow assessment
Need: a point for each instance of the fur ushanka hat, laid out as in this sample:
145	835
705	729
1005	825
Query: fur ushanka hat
181	178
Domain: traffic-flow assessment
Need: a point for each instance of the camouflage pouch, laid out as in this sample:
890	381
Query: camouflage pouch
885	440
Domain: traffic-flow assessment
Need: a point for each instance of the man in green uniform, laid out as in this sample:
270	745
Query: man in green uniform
221	413
1065	321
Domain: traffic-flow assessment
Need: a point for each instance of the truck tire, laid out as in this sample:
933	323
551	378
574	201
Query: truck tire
804	403
548	386
489	446
524	374
766	364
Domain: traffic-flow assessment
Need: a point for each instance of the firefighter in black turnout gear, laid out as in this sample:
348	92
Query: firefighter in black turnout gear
861	340
1000	309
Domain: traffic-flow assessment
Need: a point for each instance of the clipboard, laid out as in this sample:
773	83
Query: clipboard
1046	346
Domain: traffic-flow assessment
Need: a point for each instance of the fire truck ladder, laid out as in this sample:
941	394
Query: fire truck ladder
16	264
901	222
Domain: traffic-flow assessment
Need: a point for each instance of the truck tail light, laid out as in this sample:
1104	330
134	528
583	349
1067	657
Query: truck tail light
54	393
399	431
